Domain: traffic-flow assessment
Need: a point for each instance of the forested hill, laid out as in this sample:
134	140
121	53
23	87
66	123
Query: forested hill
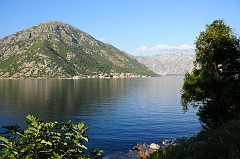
55	49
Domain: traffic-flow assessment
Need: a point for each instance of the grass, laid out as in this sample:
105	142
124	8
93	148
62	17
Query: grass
220	143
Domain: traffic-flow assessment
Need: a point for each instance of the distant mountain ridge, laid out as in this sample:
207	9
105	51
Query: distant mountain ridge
55	49
168	64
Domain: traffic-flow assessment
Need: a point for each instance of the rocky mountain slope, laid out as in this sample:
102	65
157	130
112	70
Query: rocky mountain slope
55	49
168	64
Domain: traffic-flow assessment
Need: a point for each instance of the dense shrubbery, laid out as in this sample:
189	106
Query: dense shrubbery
46	140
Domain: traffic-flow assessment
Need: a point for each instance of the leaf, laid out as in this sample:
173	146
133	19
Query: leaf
18	133
96	152
4	139
68	134
46	142
56	155
80	136
28	157
56	137
4	145
83	146
79	144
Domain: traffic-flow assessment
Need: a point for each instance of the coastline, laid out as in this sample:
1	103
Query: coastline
143	149
76	77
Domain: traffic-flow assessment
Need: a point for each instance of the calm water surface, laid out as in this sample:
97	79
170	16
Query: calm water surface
119	112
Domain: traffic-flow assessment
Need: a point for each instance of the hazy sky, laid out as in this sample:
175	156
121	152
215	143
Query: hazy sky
139	27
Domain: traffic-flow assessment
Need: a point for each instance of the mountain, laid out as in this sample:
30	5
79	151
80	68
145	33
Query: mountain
168	64
55	49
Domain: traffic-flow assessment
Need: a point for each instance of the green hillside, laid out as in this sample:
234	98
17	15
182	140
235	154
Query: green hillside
55	49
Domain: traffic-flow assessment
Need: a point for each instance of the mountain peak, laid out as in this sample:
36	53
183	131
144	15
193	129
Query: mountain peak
53	24
57	49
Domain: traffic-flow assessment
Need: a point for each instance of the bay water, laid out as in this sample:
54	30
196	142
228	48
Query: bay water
119	112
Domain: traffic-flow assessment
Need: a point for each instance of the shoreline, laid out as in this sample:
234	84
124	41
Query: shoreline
82	77
70	78
143	149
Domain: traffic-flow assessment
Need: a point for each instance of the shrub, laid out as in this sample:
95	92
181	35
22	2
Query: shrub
46	140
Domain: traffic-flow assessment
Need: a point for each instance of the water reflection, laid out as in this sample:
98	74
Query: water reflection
54	98
119	112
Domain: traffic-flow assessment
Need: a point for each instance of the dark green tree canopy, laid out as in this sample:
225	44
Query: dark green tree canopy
214	84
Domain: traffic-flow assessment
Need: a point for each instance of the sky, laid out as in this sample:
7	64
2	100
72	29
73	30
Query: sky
139	27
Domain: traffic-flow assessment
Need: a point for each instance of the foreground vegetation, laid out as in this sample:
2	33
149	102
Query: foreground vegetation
219	143
42	140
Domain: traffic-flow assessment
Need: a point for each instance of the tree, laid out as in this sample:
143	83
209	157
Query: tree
46	140
213	86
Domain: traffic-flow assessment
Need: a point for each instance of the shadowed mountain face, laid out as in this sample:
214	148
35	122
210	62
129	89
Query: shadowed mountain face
56	49
168	64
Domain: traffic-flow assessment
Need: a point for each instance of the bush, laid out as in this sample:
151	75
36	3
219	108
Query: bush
220	143
46	140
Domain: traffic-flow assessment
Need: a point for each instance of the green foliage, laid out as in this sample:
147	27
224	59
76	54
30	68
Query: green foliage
214	84
220	143
46	140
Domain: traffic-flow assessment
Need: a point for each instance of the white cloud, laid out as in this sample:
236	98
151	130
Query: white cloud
142	48
103	39
108	39
159	47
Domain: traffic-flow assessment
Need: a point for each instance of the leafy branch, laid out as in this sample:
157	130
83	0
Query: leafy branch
46	140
